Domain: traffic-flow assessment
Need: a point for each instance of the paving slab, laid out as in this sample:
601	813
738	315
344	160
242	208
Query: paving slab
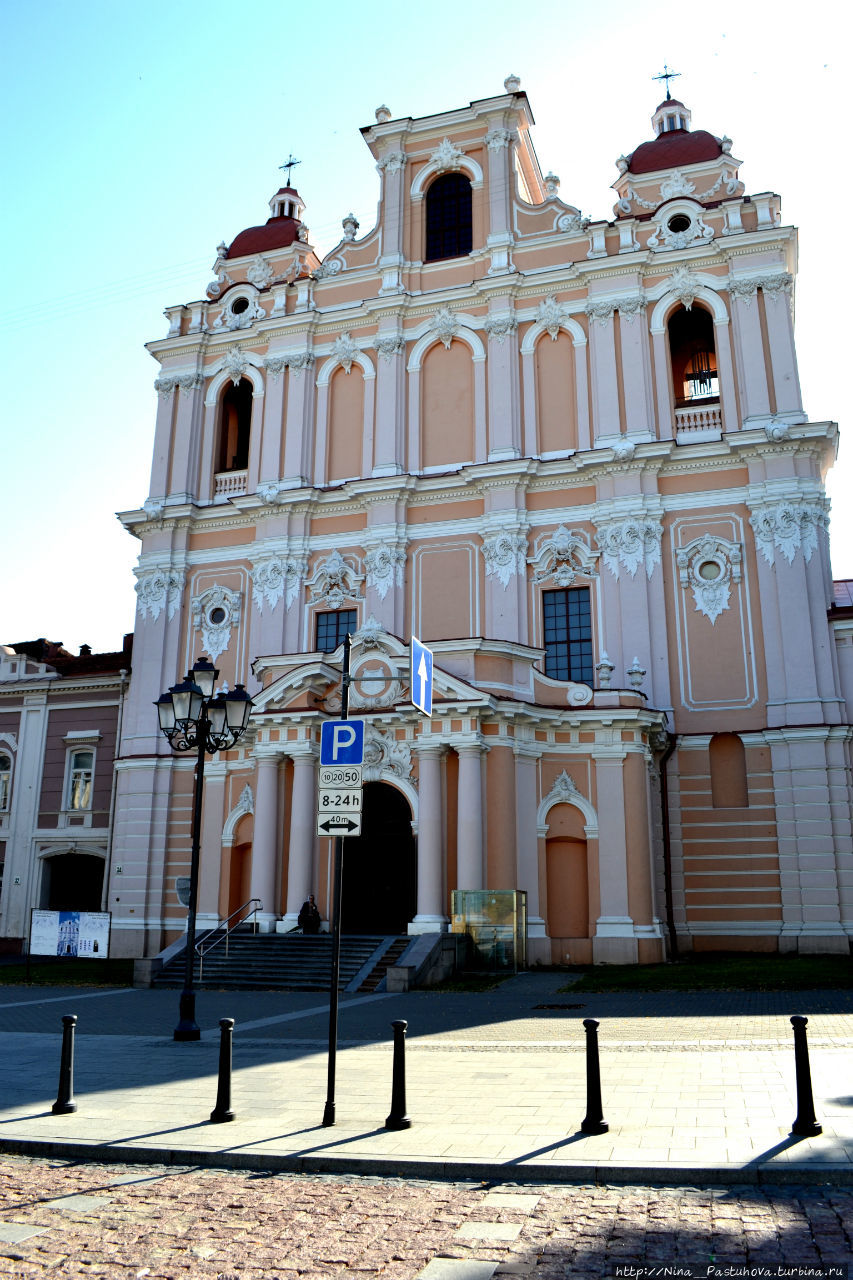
493	1086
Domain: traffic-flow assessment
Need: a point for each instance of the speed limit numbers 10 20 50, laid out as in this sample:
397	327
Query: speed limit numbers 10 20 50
340	776
341	800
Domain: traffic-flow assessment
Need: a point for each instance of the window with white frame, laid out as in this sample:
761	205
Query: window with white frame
5	781
80	770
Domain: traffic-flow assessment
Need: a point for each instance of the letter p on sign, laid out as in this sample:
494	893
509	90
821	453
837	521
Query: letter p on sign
342	742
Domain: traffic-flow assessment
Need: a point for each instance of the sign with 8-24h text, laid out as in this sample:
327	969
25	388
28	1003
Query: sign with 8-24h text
340	792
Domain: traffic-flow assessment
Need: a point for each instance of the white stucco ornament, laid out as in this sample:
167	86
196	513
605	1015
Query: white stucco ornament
277	577
505	555
604	669
236	363
630	543
562	556
789	527
215	613
159	589
385	566
685	286
551	315
709	566
636	674
260	272
383	754
446	156
445	325
346	351
335	580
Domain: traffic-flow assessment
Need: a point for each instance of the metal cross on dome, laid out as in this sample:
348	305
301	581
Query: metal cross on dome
667	75
288	165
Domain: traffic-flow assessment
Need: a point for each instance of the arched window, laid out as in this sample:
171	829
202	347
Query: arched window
728	772
5	781
235	422
449	231
693	357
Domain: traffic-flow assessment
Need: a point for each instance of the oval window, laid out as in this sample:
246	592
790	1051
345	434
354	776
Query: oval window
709	570
679	222
239	305
217	615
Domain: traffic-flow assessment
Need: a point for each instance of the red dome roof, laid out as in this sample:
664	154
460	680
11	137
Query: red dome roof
276	233
674	148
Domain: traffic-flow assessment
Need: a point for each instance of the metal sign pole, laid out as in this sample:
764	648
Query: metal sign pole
329	1112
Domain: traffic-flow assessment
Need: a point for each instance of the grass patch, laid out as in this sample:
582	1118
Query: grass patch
470	982
725	973
68	973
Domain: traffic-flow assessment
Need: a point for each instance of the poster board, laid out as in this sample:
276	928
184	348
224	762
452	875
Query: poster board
80	934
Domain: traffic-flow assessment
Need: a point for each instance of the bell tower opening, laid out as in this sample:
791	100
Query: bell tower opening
235	424
693	357
380	866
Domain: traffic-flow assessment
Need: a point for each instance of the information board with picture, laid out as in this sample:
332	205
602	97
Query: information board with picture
84	934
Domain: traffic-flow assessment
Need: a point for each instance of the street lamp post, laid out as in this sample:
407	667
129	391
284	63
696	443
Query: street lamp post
192	719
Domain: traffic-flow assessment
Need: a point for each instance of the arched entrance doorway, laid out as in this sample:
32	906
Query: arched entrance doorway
380	879
72	882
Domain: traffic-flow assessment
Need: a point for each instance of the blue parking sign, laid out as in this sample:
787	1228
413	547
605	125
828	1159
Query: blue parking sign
421	676
342	742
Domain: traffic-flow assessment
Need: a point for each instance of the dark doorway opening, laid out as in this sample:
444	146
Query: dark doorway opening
72	882
380	881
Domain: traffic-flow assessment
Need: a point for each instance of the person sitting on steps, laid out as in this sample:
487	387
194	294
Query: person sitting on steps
309	916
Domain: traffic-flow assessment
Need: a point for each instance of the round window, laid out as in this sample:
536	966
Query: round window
709	570
217	615
239	305
678	222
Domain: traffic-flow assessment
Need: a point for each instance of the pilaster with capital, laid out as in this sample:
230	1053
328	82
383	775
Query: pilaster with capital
783	354
469	814
430	916
389	444
750	360
299	420
392	168
269	467
166	403
527	840
614	939
636	366
210	864
186	445
385	575
265	841
605	385
504	550
504	386
300	862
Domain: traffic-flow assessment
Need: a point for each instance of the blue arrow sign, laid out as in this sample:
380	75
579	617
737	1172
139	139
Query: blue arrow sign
342	742
420	675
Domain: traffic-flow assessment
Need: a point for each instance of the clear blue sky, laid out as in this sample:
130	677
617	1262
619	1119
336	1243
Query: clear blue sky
139	136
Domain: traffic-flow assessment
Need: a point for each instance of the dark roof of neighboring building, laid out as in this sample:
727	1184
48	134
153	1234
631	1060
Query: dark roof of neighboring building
85	663
842	591
674	148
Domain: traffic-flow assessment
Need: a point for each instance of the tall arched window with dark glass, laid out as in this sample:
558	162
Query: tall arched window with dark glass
448	217
235	423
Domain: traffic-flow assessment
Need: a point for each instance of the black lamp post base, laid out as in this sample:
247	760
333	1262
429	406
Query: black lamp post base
329	1115
187	1028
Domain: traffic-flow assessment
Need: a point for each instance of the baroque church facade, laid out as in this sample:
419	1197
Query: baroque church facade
570	455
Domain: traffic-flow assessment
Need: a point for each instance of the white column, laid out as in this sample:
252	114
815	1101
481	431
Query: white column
751	364
388	454
783	355
158	487
269	444
301	846
469	816
526	836
614	941
212	821
265	841
430	917
605	393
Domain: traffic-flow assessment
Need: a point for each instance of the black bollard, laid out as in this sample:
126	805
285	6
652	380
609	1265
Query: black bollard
593	1121
222	1111
65	1097
805	1125
397	1118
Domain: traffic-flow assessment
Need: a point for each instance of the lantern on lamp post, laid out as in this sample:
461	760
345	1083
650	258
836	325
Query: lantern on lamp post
193	719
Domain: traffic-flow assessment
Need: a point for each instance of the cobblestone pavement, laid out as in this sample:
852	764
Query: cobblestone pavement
107	1221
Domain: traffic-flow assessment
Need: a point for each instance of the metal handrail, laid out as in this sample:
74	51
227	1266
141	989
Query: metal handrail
208	940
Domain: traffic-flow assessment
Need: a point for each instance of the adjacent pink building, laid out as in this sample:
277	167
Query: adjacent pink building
569	453
60	720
